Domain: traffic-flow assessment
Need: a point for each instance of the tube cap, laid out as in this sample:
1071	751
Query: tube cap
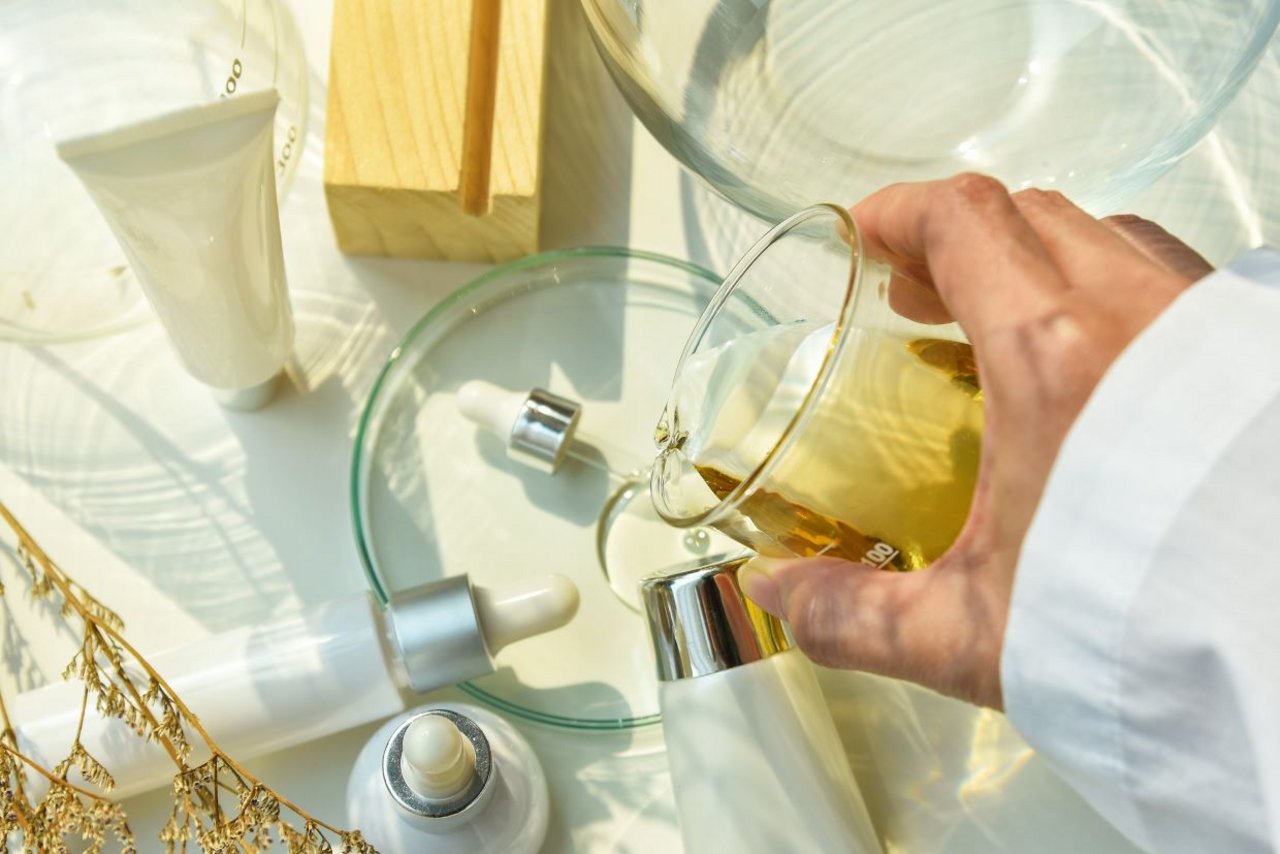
701	623
248	398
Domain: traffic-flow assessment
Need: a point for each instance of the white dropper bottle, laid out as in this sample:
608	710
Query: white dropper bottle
449	779
267	687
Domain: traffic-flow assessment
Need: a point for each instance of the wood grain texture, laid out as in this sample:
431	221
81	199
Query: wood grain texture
482	89
397	116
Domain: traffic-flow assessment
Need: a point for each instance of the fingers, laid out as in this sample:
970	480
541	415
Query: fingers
916	301
965	249
933	627
1086	252
968	239
1160	246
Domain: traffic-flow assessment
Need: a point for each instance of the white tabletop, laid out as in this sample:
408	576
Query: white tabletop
192	520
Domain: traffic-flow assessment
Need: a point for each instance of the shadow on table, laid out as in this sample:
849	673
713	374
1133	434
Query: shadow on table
622	772
586	153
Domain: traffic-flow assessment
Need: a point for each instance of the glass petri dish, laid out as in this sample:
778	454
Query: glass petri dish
432	495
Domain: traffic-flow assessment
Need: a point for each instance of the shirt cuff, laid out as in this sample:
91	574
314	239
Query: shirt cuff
1139	448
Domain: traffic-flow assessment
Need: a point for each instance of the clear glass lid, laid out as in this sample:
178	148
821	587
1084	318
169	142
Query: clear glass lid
434	495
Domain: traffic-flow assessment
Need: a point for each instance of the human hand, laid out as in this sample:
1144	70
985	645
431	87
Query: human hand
1049	297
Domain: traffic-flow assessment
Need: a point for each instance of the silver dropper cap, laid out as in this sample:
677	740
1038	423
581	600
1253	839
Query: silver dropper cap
701	623
448	631
435	629
543	429
537	427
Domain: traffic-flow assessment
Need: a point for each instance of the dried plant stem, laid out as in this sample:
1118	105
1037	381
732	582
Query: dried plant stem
10	742
118	695
188	717
52	778
10	738
87	645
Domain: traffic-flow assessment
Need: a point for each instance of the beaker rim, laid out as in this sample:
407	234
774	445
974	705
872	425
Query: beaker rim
760	473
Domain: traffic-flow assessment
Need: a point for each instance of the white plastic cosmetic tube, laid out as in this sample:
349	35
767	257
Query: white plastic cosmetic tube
191	196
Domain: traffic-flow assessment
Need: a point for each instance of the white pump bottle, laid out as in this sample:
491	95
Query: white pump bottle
449	779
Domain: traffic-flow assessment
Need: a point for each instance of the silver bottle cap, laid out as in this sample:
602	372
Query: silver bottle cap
435	629
701	623
457	808
543	429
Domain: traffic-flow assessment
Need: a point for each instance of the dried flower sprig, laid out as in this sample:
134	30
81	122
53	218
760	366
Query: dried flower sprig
217	804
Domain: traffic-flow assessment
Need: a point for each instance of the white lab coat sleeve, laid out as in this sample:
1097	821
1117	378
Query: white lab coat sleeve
1142	655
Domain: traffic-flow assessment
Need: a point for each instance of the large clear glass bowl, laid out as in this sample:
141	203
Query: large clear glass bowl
779	102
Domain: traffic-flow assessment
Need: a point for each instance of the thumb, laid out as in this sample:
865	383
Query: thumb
934	627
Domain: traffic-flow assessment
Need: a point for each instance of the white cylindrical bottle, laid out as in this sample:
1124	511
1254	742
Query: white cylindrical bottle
449	779
269	687
756	762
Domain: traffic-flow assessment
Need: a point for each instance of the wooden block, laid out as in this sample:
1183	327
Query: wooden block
433	129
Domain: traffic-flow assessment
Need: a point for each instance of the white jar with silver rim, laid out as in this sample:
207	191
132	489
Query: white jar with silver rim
448	779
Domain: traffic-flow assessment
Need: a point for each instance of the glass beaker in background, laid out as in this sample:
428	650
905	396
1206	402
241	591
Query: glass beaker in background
70	69
808	417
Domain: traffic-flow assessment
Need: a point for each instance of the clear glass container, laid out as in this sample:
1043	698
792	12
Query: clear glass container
434	495
815	411
778	102
69	69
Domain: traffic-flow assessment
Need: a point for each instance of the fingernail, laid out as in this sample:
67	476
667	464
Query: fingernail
756	580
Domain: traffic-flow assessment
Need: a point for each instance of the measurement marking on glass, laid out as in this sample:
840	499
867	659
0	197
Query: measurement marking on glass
233	79
286	150
879	555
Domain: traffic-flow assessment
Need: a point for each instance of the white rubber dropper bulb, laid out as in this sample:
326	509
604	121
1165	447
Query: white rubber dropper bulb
524	609
490	406
437	759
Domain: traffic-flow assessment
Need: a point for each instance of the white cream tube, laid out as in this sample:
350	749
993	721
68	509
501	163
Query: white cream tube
191	196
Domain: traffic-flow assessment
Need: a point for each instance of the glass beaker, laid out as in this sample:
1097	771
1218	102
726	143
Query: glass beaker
809	417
